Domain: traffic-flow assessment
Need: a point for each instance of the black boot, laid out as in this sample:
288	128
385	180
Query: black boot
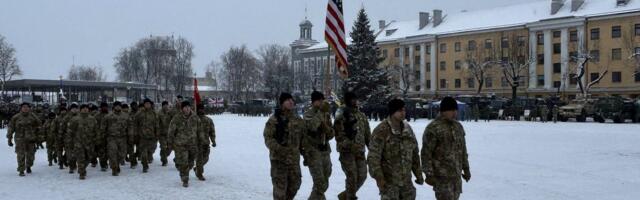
21	174
28	170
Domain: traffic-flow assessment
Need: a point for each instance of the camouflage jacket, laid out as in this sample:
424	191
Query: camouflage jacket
444	150
147	122
283	136
64	123
164	118
46	131
183	130
25	126
81	130
319	131
100	134
56	125
207	131
115	125
352	130
393	154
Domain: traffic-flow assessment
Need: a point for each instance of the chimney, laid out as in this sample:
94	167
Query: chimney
424	19
556	5
575	5
382	24
437	17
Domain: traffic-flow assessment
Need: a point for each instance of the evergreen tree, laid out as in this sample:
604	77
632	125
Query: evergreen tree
369	82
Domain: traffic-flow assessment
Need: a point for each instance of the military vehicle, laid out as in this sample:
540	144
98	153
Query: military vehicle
579	109
614	107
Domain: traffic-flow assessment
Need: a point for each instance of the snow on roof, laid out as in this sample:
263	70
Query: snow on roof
499	17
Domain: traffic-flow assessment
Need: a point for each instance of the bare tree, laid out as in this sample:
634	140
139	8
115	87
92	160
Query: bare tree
274	59
214	68
480	61
86	73
404	78
242	72
9	67
584	58
514	63
629	46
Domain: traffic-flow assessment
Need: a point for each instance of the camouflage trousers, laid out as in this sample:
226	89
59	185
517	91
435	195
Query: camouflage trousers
71	157
100	155
133	150
185	157
448	188
319	164
60	153
152	151
51	151
82	156
286	180
396	192
117	151
145	151
202	158
165	149
25	151
354	166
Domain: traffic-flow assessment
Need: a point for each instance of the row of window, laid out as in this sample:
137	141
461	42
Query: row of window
616	32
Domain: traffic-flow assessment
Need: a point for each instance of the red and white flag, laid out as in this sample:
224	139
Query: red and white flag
335	37
196	94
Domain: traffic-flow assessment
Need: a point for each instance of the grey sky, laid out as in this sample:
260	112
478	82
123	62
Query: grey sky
49	34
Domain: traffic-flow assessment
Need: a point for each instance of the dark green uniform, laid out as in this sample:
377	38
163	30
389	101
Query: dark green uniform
352	136
283	136
23	128
317	150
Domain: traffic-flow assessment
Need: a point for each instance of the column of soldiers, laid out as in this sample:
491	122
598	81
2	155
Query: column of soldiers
393	158
83	135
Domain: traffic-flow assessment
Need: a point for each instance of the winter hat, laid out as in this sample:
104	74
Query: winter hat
147	101
104	105
164	103
284	97
51	115
84	106
348	97
315	95
395	105
125	106
185	104
73	105
117	103
448	104
25	104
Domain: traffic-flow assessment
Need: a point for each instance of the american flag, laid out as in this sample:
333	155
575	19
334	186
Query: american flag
334	35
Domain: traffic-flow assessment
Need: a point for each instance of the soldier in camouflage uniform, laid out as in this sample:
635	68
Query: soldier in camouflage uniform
48	131
146	120
352	136
59	139
114	127
544	112
206	137
316	148
183	134
444	153
164	116
81	133
555	113
68	146
101	138
133	140
393	156
23	128
283	134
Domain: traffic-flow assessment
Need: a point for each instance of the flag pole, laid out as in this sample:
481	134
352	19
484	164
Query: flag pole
327	69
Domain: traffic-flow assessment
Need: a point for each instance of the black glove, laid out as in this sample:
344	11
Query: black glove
213	144
466	175
419	180
10	143
430	180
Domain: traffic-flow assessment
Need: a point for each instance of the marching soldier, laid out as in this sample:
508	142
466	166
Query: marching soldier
164	116
114	126
22	128
81	134
183	134
100	155
282	136
146	121
444	153
133	140
352	136
68	144
59	139
207	135
48	132
316	144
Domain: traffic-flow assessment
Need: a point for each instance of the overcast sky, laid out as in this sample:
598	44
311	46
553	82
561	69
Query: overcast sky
48	35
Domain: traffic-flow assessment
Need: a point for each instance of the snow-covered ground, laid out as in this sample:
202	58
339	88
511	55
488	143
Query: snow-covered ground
509	160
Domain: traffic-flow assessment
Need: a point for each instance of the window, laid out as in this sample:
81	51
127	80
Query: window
443	65
443	48
557	68
429	84
416	60
595	34
428	49
503	82
616	54
406	51
417	88
458	65
572	79
457	46
616	77
504	42
458	83
540	59
443	83
540	80
521	41
573	36
557	48
637	77
594	76
637	29
488	82
616	32
396	52
557	34
417	48
428	66
488	44
540	39
573	56
595	55
471	83
384	53
637	51
472	45
556	84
